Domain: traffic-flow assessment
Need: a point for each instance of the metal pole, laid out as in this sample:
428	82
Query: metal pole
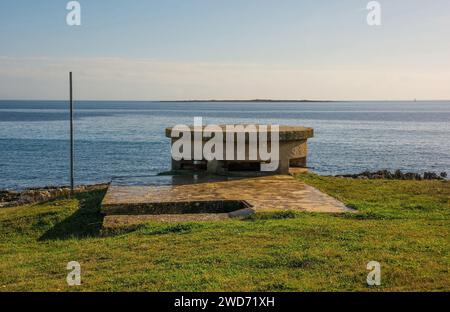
71	135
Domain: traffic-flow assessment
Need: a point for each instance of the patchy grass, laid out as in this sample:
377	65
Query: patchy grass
388	199
405	225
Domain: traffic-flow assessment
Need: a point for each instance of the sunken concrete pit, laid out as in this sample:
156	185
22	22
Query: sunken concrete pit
174	207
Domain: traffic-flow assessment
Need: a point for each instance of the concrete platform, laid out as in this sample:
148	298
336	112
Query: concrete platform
207	198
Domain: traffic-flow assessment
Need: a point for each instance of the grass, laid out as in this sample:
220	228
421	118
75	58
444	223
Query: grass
404	225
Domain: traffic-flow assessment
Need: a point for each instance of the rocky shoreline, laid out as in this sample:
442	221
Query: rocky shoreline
40	194
10	198
396	175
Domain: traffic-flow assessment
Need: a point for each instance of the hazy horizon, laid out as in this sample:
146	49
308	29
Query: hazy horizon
223	100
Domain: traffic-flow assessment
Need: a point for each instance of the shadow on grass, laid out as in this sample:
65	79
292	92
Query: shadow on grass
277	215
151	229
85	222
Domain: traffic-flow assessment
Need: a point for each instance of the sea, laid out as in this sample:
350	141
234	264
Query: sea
127	138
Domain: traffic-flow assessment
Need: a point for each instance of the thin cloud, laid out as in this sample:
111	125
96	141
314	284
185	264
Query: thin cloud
112	78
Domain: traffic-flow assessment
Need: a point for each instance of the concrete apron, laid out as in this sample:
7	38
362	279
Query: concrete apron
211	198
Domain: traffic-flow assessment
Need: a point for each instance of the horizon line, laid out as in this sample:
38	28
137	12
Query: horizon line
233	100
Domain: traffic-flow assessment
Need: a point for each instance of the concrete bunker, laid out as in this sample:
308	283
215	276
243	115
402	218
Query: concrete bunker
292	150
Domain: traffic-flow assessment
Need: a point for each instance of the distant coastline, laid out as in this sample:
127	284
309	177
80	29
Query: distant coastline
255	100
184	101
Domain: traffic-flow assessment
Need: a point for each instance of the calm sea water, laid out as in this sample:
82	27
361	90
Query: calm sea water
127	138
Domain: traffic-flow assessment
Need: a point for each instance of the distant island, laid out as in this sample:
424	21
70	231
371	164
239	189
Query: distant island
254	100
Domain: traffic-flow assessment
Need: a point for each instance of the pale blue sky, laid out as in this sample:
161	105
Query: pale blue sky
175	49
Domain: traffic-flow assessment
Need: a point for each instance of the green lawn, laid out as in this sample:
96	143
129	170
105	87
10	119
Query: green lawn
404	225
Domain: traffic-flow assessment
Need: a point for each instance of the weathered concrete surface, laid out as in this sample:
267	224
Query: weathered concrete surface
294	170
270	193
117	221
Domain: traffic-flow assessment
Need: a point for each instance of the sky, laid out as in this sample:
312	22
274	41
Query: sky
225	49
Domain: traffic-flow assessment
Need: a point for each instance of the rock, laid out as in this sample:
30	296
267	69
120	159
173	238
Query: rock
430	176
8	196
35	195
397	175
